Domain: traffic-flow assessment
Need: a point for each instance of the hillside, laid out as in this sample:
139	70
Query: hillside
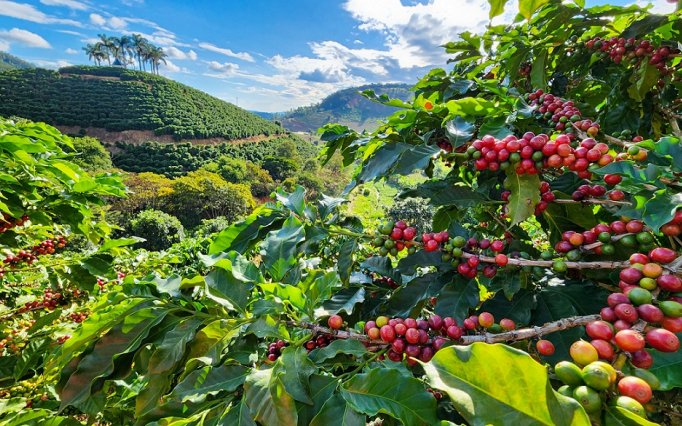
346	107
117	99
11	62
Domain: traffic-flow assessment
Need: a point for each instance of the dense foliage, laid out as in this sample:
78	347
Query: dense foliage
159	230
178	159
126	50
547	292
127	100
92	156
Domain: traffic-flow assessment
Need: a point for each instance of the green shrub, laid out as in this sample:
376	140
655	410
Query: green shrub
159	229
91	154
280	168
416	212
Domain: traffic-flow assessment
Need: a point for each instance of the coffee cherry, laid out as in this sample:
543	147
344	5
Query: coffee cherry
630	340
635	388
662	340
545	347
335	322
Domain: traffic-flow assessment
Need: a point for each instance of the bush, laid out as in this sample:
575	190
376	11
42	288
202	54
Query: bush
91	154
280	168
211	226
159	229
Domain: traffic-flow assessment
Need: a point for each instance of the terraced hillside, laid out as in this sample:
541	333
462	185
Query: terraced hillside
117	99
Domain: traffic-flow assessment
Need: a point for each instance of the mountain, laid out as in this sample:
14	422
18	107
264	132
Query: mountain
346	107
10	62
107	102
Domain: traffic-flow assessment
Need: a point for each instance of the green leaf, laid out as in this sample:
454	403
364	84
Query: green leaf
279	248
322	388
644	26
525	195
294	201
122	242
294	369
29	356
320	289
124	338
268	400
661	208
239	415
643	81
668	368
162	364
382	161
617	416
384	390
223	288
538	77
474	107
340	346
337	412
345	261
343	300
241	235
416	158
457	298
518	308
528	7
460	131
497	384
445	193
496	8
210	381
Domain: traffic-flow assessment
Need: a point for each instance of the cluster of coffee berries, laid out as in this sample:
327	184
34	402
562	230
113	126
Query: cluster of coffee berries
444	144
395	237
78	317
102	282
433	241
586	125
382	281
601	238
32	390
532	153
319	341
464	255
598	381
634	153
626	135
49	301
559	112
275	350
633	51
436	394
7	222
674	227
525	68
48	246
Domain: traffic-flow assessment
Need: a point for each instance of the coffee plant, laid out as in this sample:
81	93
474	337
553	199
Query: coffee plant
546	291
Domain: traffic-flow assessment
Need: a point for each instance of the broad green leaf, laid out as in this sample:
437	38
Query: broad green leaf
382	161
29	356
124	338
209	381
279	248
644	26
122	242
617	416
525	195
643	81
418	158
239	415
661	208
322	387
320	289
496	8
346	261
528	7
384	390
457	298
445	193
460	131
343	300
268	400
407	299
294	201
336	411
340	346
473	107
162	364
497	384
241	235
225	289
538	77
294	369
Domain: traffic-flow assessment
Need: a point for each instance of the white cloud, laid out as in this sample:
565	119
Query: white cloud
51	64
223	69
112	22
244	56
30	13
73	33
25	38
175	53
414	33
169	66
71	4
97	19
71	51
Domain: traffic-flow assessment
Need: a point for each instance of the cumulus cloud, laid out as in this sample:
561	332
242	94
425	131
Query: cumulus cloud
23	37
413	33
223	69
71	4
659	6
175	53
30	13
60	63
70	51
111	22
244	56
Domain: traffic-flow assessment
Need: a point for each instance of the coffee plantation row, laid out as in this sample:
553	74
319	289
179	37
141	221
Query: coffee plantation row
118	99
537	296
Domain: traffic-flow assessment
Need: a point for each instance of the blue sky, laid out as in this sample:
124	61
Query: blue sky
266	55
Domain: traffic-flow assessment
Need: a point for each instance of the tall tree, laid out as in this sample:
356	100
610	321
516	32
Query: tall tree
108	46
139	44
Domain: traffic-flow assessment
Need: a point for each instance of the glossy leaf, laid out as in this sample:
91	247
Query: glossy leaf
525	195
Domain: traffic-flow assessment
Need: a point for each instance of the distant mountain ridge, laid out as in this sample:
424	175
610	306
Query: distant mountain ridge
113	100
346	107
11	62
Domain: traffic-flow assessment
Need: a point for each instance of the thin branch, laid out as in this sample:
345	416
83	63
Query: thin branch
509	336
672	118
593	201
549	263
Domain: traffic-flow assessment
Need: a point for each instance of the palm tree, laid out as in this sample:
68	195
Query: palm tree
156	55
108	46
125	45
91	51
139	44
